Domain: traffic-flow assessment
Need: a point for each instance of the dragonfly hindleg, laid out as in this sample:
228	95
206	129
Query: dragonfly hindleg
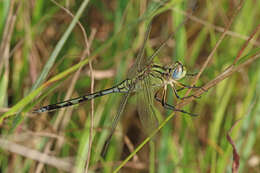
171	107
176	93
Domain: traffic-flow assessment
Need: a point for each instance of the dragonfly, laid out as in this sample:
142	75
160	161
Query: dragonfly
144	78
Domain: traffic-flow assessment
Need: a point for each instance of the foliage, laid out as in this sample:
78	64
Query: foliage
46	53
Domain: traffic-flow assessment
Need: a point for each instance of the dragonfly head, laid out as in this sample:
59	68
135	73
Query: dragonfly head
178	71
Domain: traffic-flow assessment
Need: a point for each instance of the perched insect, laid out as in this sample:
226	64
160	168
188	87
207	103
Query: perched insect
145	78
159	77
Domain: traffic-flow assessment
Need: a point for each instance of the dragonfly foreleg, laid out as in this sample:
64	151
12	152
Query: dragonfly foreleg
191	74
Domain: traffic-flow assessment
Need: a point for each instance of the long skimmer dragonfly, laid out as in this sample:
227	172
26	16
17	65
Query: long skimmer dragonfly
144	78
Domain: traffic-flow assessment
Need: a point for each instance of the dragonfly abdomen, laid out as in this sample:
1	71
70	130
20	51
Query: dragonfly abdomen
123	87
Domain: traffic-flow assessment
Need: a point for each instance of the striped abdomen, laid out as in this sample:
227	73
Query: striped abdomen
120	88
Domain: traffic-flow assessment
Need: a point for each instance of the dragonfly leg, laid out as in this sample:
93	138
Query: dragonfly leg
164	95
162	101
189	87
176	93
171	107
191	74
180	89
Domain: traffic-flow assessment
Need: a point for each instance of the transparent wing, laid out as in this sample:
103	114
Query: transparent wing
150	59
115	122
140	60
145	106
131	74
144	97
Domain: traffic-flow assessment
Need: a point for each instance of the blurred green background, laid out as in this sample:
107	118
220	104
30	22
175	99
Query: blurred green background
38	42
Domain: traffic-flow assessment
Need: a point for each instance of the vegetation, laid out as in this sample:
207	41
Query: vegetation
52	51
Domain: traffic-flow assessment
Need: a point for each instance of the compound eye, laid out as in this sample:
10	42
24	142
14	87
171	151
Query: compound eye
178	72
